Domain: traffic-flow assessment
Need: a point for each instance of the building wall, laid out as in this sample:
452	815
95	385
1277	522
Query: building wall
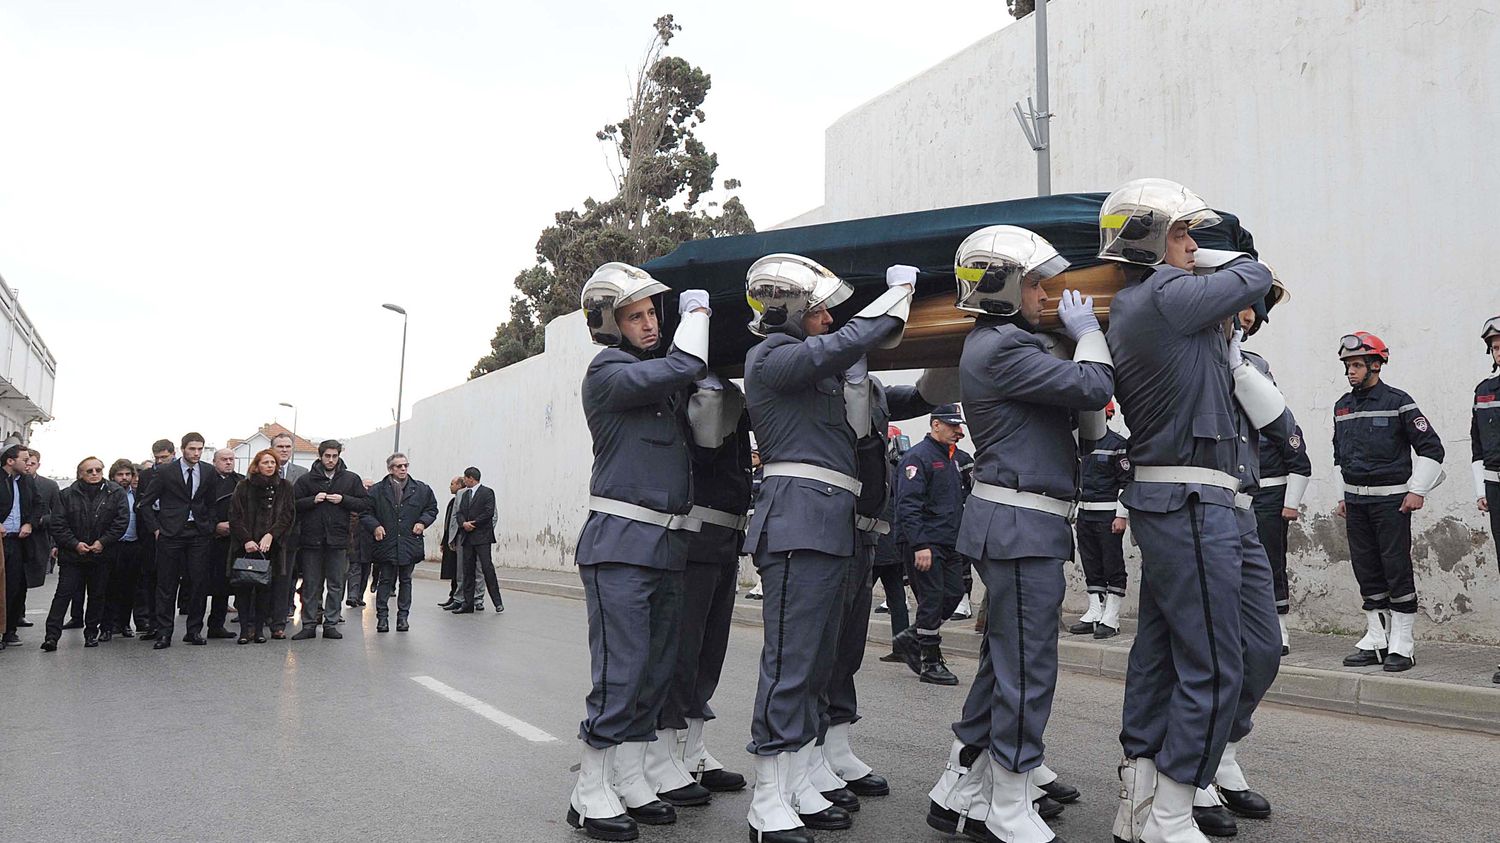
1353	140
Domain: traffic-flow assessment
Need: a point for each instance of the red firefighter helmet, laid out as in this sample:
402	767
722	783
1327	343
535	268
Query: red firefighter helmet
892	431
1109	409
1363	344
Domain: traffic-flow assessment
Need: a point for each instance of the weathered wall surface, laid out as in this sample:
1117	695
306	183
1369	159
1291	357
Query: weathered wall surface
1353	138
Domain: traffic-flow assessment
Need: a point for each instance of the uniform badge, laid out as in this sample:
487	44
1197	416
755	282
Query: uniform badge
1125	463
1295	441
911	472
1420	423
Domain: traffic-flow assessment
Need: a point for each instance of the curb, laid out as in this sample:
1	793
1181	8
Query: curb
1406	700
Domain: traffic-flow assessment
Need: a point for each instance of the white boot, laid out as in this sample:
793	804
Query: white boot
1096	609
962	790
771	807
1013	817
1286	636
1229	775
1375	637
1137	792
841	758
664	769
964	610
628	775
1171	819
805	796
819	774
1110	616
592	797
1206	798
1043	775
1402	642
695	755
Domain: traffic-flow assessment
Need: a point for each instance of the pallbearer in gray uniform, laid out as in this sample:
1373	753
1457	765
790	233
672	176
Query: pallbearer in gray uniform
720	448
802	532
631	553
1022	404
1168	335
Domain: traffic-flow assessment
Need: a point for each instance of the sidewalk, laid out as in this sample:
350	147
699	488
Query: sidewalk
1449	686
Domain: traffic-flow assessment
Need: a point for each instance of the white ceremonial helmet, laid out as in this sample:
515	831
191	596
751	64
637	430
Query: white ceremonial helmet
782	288
993	263
611	287
1135	219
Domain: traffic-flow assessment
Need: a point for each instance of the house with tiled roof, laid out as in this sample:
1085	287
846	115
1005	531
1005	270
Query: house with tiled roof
304	452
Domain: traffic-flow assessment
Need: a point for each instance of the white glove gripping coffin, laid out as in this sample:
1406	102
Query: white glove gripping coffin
895	301
692	336
1262	402
1426	475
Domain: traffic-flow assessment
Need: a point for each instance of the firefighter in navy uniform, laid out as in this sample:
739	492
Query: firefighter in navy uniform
803	530
1484	438
631	553
1101	530
1376	427
1023	404
1177	384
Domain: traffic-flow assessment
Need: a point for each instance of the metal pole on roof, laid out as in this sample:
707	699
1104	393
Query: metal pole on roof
401	378
293	408
1033	118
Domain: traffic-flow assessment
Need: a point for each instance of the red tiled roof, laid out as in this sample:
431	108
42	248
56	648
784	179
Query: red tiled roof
271	430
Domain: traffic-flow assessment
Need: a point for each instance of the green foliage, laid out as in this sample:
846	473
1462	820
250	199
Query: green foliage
663	177
1020	8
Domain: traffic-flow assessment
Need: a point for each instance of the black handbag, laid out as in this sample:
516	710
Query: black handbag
247	570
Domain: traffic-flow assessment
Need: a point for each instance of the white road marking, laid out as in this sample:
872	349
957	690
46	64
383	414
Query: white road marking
515	725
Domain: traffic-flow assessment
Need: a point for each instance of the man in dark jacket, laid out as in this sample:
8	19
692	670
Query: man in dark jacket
41	553
326	496
219	548
17	522
163	451
90	516
185	489
451	531
475	511
401	507
358	577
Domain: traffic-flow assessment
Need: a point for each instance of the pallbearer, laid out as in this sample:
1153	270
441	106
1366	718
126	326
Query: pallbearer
631	553
1022	404
802	532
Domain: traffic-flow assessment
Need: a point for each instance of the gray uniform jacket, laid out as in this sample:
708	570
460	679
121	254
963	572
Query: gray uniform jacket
636	412
795	391
1166	334
1021	404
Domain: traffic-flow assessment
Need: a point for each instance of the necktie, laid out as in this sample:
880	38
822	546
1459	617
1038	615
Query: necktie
189	479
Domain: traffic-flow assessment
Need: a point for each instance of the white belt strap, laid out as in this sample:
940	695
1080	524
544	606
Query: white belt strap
1186	474
1242	500
1097	506
1376	491
817	473
1492	476
610	506
1023	500
1272	482
720	518
866	524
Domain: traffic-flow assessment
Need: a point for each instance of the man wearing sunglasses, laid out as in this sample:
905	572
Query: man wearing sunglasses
1484	437
1376	427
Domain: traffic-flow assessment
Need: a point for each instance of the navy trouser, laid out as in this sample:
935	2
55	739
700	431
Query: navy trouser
1102	553
1492	494
1186	669
801	612
1380	550
703	639
124	575
1272	529
323	570
939	590
892	582
1260	635
633	616
1010	701
74	577
395	578
854	627
181	561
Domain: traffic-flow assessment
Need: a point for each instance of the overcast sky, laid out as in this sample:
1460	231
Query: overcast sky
252	180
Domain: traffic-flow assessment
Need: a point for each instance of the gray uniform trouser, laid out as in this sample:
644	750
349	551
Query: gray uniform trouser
1260	634
843	702
1011	699
474	561
804	594
633	629
703	639
1186	669
323	571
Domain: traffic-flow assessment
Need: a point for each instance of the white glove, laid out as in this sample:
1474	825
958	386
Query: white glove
1236	356
1077	314
901	275
691	300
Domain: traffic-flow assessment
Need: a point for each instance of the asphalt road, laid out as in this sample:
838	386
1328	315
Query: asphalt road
336	740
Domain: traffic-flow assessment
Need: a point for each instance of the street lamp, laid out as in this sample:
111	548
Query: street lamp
401	379
293	408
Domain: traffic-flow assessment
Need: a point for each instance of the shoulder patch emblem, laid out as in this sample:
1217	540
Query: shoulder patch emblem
1125	463
1295	441
1420	423
911	472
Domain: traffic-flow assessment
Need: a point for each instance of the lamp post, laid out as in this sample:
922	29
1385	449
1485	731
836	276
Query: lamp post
293	408
401	379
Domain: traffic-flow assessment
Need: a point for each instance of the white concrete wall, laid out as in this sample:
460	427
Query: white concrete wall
1353	138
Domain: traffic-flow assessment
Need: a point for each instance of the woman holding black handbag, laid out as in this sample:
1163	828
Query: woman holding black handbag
260	514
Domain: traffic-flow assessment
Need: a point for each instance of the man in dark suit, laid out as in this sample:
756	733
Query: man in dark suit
17	523
178	508
163	451
220	551
41	552
451	532
476	522
283	446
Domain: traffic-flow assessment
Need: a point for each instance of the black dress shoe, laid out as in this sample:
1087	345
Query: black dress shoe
162	642
1395	663
893	658
721	781
1496	678
1285	650
12	640
75	623
750	595
105	635
126	633
351	604
360	603
788	835
1215	821
402	626
1082	628
946	821
1362	658
842	798
832	818
1246	803
655	812
1047	807
305	633
905	645
332	632
90	640
1066	794
499	608
382	625
259	639
220	633
1102	631
619	827
49	645
194	639
448	604
870	785
24	623
687	796
463	610
243	639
